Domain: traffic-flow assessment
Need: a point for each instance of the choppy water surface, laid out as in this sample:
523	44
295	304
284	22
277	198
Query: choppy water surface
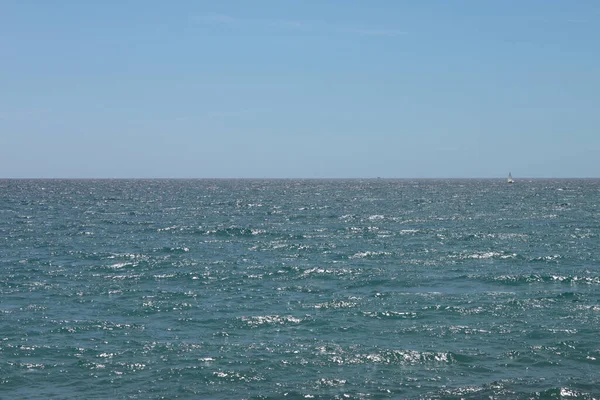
441	289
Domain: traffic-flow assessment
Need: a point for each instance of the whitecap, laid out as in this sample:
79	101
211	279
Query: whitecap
271	320
118	265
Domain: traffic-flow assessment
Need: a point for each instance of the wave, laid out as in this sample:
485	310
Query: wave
271	320
393	357
521	279
371	254
511	389
231	231
484	255
390	314
336	304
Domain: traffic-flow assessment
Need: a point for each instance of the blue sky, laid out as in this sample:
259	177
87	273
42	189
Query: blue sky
299	89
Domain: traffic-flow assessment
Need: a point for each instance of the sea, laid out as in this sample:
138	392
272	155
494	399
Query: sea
300	289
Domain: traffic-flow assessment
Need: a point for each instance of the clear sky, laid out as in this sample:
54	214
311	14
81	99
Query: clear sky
299	89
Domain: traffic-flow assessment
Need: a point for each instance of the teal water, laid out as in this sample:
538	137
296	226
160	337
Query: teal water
269	289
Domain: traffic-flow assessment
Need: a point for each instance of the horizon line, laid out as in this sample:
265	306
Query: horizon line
291	178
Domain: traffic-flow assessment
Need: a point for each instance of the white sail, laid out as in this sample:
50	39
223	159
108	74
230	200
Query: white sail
509	179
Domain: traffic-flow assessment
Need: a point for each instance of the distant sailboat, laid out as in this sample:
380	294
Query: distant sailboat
510	179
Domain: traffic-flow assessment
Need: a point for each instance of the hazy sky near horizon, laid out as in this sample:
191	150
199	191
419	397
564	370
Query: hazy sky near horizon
299	89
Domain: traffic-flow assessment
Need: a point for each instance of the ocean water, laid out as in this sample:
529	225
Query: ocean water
299	289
